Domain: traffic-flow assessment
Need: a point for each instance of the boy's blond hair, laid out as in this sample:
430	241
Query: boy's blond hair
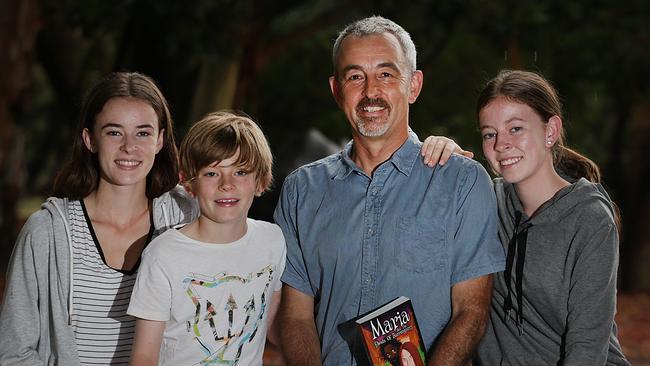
217	137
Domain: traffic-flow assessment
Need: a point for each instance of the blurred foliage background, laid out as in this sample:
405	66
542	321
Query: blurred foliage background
272	59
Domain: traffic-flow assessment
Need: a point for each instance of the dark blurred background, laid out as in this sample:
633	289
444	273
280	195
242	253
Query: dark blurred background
271	59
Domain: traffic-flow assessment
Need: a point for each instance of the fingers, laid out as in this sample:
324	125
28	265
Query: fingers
439	154
466	153
449	148
431	149
438	149
427	147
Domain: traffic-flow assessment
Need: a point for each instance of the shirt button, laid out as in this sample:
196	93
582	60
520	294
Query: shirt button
371	232
375	190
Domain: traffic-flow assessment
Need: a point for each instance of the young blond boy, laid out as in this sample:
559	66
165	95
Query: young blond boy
206	292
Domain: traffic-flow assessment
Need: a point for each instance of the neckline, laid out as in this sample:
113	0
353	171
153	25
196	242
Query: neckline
217	246
99	247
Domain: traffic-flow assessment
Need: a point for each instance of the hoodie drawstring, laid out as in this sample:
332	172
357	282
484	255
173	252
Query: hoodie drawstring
516	246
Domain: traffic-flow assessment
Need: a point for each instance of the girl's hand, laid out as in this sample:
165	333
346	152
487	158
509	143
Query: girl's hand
438	149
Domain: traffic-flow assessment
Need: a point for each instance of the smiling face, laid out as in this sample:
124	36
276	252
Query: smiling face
225	192
374	86
516	142
126	139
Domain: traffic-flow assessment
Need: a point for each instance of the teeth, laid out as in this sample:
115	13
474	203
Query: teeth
127	162
372	109
231	200
509	161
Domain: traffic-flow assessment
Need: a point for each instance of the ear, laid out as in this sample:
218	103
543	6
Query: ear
160	142
553	130
259	190
85	136
417	79
186	183
334	87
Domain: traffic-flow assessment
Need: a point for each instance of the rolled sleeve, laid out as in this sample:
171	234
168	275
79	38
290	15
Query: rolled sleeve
295	270
476	249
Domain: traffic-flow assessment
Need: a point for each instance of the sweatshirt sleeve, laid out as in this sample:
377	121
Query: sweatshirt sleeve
592	298
19	317
173	208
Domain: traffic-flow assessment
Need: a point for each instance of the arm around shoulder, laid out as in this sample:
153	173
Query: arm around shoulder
177	207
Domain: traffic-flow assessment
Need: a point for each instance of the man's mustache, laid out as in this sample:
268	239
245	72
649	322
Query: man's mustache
371	102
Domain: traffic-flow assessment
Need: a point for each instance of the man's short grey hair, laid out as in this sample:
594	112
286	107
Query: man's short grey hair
378	25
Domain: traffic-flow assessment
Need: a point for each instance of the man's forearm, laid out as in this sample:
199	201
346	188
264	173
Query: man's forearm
300	344
458	341
470	313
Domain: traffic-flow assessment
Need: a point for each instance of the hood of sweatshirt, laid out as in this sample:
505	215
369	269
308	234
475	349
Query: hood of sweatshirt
563	203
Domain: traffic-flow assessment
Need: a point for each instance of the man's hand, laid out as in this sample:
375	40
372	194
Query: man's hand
438	149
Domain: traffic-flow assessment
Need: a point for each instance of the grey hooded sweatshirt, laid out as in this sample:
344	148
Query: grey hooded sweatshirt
35	317
559	306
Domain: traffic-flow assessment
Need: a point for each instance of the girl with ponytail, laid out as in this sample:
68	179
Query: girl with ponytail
555	302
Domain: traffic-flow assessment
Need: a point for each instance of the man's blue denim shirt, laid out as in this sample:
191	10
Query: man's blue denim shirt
356	242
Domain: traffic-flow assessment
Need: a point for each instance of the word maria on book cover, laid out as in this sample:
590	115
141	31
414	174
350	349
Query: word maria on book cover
387	328
391	334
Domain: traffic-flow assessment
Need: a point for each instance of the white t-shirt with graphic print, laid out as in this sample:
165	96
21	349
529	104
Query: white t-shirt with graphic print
214	297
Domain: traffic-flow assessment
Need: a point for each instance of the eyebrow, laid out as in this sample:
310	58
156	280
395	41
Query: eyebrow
507	122
350	67
390	65
117	125
512	119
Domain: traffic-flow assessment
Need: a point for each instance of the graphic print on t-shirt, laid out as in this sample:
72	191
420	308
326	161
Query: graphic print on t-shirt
229	311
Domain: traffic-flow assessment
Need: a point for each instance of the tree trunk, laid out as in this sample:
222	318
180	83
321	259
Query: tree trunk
20	22
216	89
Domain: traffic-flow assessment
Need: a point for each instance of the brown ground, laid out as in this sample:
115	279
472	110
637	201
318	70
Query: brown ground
633	320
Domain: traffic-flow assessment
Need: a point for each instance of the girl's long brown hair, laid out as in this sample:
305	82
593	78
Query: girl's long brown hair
80	175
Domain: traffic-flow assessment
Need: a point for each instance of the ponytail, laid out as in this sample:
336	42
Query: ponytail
575	165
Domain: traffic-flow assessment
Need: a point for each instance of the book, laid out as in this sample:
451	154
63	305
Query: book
391	335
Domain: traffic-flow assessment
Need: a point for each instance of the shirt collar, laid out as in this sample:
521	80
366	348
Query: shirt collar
403	159
346	165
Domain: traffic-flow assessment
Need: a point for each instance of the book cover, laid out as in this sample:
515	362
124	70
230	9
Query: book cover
391	335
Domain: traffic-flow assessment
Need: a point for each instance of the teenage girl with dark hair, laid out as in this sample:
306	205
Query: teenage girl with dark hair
75	261
555	302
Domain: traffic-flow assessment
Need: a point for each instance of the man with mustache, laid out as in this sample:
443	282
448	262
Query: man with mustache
373	222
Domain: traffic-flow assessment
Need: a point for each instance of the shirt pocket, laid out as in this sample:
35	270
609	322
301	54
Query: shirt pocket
420	247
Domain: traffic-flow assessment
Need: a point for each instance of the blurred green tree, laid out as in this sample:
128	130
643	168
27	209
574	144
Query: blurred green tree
272	60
